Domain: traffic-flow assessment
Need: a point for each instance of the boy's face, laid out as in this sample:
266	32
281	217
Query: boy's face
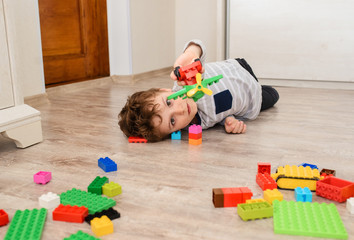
175	114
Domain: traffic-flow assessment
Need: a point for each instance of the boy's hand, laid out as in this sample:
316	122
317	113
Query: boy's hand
232	125
191	53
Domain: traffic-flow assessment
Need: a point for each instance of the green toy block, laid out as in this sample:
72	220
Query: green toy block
308	219
111	189
27	225
96	185
80	235
256	210
94	203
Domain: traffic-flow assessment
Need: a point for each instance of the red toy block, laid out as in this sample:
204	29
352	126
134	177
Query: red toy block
265	181
264	168
137	140
69	213
188	72
195	136
335	189
246	194
4	218
232	197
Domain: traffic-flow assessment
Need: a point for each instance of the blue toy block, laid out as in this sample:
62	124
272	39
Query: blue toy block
107	164
312	166
303	194
176	135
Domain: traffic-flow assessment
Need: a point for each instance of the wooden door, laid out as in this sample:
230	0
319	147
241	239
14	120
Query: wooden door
74	40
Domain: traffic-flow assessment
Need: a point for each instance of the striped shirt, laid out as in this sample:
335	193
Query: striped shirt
237	94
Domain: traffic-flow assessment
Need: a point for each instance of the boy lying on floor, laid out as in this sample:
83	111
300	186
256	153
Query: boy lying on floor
237	97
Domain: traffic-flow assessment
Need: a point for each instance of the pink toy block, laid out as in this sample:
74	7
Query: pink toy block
195	129
42	177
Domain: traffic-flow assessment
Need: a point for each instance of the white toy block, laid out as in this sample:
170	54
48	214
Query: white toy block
350	205
49	200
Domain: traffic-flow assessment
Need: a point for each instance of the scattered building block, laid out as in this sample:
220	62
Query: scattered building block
335	189
195	136
265	181
80	235
42	177
263	168
67	213
27	224
194	141
271	195
4	218
176	135
195	129
308	219
303	194
110	213
137	140
111	189
257	210
327	172
291	177
107	164
96	185
101	226
94	203
49	200
350	205
312	166
230	197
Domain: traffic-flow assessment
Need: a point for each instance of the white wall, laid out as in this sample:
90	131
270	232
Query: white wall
204	20
25	50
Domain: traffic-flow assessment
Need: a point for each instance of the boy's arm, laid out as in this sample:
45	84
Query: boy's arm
232	125
192	50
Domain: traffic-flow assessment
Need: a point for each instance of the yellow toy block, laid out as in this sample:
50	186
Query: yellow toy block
271	195
111	189
101	226
195	141
291	177
255	200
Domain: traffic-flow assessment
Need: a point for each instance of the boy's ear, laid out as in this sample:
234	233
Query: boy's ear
166	89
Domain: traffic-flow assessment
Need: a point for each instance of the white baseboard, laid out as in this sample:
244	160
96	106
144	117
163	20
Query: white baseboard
307	83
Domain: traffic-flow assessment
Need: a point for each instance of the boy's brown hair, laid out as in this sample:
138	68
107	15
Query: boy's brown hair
135	119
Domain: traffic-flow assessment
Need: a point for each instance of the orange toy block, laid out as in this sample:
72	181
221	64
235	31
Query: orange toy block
195	141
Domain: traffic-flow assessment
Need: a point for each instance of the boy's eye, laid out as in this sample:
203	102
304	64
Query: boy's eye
173	121
168	102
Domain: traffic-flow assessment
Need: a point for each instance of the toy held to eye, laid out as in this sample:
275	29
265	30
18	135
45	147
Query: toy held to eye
187	73
197	90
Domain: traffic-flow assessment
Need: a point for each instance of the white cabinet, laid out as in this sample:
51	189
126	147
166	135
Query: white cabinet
18	121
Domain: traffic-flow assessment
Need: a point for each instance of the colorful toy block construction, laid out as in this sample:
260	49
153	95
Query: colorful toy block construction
27	224
80	235
94	203
187	73
96	185
111	189
335	189
49	200
4	218
271	195
42	177
195	134
303	194
101	226
110	213
308	219
350	205
251	211
327	172
67	213
291	177
137	140
230	197
263	168
107	164
312	166
265	181
176	135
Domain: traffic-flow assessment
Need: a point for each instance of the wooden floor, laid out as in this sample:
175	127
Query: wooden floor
167	186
